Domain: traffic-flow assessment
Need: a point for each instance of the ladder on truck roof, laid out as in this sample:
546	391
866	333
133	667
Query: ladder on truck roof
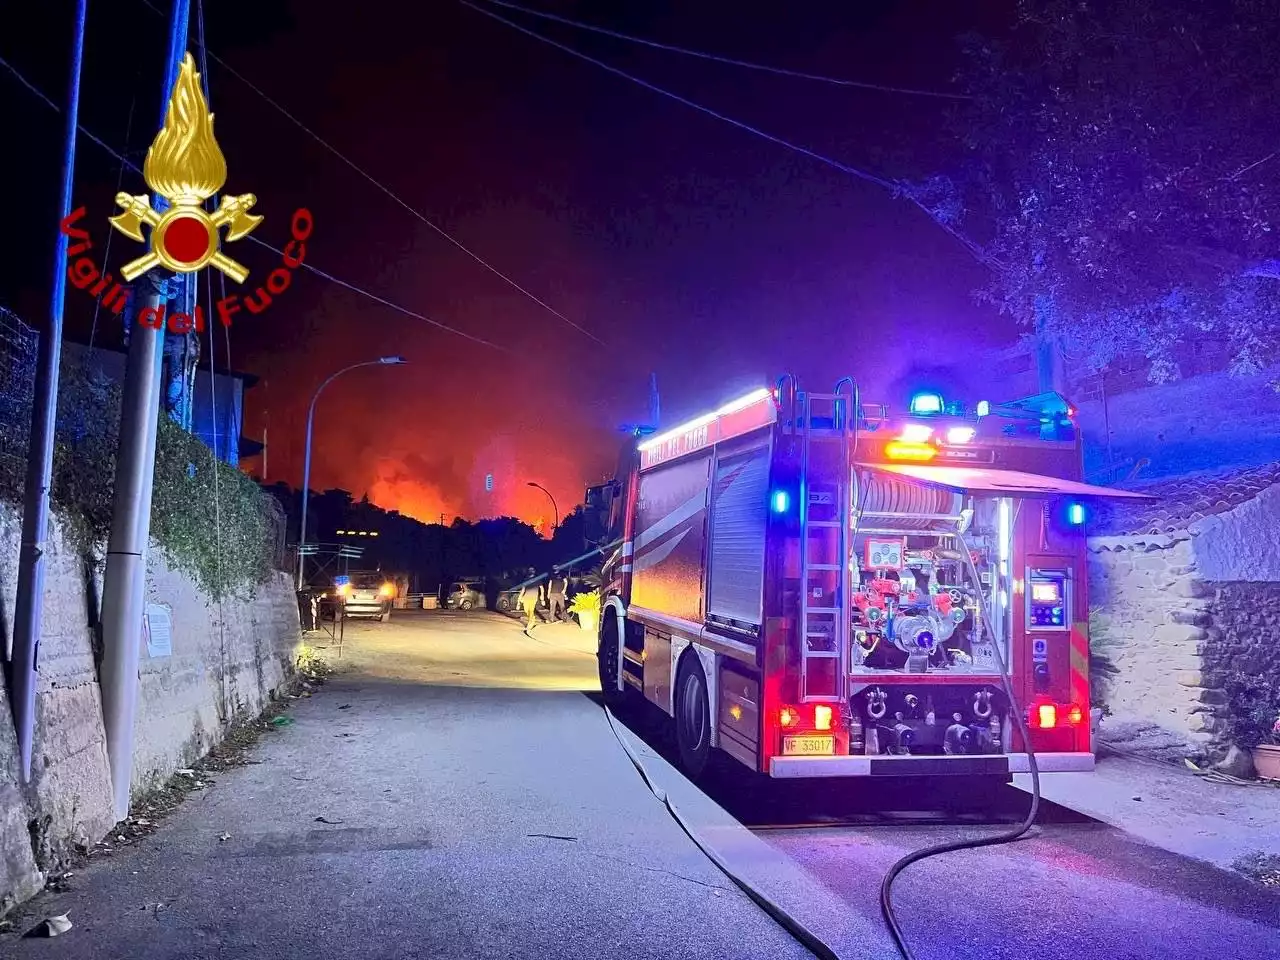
826	425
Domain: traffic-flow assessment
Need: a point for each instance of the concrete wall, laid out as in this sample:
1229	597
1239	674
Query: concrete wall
1178	611
227	661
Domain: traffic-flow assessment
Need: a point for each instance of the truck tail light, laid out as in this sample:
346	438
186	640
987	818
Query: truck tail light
1044	716
1053	716
822	717
788	716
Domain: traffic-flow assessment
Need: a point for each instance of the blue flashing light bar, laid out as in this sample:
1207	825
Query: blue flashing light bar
923	404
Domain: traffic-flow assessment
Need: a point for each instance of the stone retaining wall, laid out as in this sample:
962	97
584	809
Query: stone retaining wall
1177	611
226	661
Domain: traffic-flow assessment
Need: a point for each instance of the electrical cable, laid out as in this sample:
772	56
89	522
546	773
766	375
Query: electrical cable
807	938
1008	836
222	277
213	397
305	266
394	196
106	253
896	188
731	61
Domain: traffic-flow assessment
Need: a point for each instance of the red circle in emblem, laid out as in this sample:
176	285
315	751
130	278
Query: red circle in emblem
186	239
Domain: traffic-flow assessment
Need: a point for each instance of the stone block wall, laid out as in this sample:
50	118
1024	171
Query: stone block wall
1151	619
228	660
1177	611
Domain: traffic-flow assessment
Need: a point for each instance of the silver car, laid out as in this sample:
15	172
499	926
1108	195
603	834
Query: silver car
466	595
368	595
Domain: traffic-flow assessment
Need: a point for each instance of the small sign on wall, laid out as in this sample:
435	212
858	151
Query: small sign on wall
159	631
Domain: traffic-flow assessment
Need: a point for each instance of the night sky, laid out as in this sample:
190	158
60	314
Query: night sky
691	249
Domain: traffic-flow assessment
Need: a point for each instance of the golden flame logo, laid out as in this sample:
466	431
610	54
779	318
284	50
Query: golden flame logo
185	166
185	163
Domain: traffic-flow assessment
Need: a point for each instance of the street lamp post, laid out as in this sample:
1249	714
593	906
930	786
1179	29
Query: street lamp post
554	509
306	461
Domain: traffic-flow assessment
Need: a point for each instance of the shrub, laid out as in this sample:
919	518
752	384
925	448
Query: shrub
1253	708
1102	669
588	603
213	522
211	519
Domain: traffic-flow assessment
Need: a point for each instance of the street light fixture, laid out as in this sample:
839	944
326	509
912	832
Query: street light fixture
306	464
554	508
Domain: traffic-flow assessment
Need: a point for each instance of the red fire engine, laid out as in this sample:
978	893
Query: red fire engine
821	595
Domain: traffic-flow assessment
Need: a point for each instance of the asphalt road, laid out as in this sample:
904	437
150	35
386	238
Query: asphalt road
458	792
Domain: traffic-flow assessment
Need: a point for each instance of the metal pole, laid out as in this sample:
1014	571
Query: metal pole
124	583
306	457
29	610
554	509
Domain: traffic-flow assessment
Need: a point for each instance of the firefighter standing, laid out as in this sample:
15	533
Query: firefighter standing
556	590
529	596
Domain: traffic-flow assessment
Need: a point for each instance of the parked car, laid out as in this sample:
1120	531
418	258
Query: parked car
465	595
368	595
507	599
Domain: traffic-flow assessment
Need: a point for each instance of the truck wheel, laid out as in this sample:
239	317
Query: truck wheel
465	605
693	717
504	604
607	655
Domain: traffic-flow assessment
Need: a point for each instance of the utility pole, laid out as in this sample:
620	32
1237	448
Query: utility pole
124	583
29	609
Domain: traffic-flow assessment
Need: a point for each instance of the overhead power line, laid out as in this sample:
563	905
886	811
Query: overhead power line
392	194
262	243
731	61
897	188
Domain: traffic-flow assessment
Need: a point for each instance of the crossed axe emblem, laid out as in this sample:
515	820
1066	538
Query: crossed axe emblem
233	213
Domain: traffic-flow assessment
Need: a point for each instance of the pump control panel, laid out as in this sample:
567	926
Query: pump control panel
1048	599
886	553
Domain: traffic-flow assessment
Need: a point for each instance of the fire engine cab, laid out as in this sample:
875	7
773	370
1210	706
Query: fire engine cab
820	593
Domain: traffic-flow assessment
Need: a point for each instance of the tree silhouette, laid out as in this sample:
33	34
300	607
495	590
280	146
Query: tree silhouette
1122	177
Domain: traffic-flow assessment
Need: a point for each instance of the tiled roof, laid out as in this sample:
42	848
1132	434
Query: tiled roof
1184	500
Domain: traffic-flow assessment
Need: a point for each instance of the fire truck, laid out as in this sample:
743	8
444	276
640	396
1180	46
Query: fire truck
819	587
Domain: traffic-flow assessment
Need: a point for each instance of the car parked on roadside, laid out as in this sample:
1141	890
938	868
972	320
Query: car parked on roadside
508	599
465	595
367	595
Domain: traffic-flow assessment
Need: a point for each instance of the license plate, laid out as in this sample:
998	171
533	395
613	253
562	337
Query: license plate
808	746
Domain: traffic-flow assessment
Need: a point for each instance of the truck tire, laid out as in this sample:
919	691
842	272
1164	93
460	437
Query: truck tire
693	717
465	605
607	654
504	604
